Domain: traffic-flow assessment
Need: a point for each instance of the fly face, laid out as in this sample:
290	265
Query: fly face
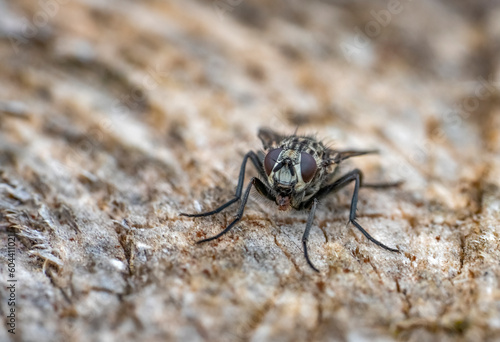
292	168
289	169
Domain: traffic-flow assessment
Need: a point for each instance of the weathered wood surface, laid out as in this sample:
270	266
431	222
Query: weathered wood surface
115	116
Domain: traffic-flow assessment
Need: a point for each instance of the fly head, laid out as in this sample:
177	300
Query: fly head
290	172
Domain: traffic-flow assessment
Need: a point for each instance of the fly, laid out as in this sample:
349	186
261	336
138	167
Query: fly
295	172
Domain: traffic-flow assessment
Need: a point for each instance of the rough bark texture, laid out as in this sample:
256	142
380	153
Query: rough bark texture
117	115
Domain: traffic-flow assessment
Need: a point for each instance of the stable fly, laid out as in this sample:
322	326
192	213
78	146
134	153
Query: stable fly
296	172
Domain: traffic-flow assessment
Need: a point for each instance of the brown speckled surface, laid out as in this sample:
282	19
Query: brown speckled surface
116	116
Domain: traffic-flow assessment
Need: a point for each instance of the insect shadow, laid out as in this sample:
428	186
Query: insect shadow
296	172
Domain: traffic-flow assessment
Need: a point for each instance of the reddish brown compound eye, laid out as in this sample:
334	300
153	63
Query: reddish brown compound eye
271	160
307	166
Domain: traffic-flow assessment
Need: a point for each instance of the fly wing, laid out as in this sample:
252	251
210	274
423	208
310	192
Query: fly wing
270	139
336	157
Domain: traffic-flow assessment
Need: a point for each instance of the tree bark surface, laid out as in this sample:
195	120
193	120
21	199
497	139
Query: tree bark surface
117	116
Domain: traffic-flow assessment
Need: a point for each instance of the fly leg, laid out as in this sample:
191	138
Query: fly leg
305	237
355	176
239	188
257	183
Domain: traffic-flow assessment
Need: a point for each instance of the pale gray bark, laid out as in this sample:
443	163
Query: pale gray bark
115	117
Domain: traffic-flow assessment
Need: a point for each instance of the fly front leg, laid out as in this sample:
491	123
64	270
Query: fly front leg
305	237
254	181
356	177
239	188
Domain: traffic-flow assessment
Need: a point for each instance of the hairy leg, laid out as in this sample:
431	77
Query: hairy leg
239	188
305	237
254	181
355	176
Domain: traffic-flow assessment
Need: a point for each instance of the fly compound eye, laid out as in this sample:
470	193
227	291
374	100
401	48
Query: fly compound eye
271	159
308	166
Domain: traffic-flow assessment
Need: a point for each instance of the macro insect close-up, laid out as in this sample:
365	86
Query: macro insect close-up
233	170
296	172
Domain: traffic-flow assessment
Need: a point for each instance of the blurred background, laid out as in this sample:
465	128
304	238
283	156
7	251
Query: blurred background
117	115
